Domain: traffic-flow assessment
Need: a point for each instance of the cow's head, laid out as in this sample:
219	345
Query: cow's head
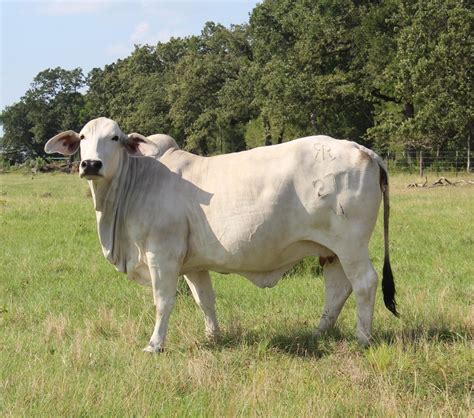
102	143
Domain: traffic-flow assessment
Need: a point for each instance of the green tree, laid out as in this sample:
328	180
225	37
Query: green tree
307	84
16	142
53	103
134	91
396	74
202	93
426	82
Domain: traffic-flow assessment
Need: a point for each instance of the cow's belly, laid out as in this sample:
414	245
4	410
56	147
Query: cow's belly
258	237
263	265
283	262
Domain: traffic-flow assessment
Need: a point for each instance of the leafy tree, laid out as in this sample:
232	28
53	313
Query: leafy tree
441	74
16	142
134	91
307	85
53	103
204	83
395	74
430	87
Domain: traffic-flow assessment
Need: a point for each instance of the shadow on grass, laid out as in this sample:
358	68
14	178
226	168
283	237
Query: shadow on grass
300	343
423	333
297	343
305	345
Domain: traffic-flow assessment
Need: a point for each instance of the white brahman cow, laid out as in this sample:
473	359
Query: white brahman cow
255	213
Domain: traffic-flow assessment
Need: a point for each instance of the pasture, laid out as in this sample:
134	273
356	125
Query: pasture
72	328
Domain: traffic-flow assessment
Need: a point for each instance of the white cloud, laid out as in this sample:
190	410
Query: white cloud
140	33
67	7
143	33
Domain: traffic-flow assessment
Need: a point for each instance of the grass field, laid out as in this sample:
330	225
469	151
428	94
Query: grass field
72	328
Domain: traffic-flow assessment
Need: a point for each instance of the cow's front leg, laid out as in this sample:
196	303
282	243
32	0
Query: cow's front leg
164	279
203	293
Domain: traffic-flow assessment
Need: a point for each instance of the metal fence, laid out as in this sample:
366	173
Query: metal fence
426	161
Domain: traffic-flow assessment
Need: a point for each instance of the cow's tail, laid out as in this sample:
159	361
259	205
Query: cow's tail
388	285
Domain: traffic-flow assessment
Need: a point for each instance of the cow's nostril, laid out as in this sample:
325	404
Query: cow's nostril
97	164
91	167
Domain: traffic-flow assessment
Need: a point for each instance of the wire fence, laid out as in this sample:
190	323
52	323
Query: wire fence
426	161
410	161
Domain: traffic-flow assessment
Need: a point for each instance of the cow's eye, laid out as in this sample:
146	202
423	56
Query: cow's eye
115	138
81	137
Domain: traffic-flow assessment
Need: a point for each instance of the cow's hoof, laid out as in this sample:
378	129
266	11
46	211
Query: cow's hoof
317	333
152	349
364	342
213	337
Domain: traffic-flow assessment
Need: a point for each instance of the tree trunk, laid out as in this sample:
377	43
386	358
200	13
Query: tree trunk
280	136
312	118
267	132
409	113
410	155
409	110
468	165
220	140
421	163
38	149
437	159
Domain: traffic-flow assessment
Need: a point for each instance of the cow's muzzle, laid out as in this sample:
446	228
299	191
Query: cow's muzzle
90	168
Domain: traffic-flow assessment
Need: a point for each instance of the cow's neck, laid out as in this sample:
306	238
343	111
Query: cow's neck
111	202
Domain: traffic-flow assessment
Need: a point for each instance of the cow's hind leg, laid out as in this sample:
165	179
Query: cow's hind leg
337	290
363	278
203	293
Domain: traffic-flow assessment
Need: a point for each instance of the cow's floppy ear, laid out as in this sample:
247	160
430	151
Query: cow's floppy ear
139	146
65	143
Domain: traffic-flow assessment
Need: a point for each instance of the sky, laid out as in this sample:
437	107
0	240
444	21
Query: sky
36	35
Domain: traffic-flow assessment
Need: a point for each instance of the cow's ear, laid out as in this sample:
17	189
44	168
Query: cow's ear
140	146
65	143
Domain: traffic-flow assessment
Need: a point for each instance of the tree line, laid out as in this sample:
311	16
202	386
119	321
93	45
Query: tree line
391	74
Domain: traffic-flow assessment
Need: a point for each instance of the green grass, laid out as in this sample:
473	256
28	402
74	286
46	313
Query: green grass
72	328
